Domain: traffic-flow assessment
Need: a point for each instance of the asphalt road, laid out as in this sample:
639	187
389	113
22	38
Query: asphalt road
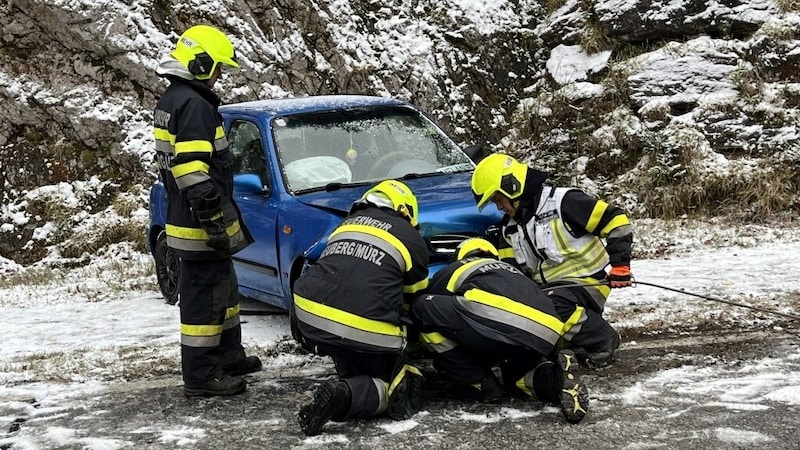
153	413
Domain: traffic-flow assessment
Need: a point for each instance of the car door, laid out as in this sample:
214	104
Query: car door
257	266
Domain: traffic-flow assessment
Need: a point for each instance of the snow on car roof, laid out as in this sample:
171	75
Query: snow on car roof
295	105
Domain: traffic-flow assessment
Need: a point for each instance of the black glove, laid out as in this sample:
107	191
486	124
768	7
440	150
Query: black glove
209	214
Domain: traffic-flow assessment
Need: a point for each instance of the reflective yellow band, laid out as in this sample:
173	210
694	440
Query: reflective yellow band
346	318
616	222
597	214
200	330
519	309
462	273
162	134
193	146
588	260
574	323
186	168
402	374
200	335
505	253
416	287
232	311
198	234
436	343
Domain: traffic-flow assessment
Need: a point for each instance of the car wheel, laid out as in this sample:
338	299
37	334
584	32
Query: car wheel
167	270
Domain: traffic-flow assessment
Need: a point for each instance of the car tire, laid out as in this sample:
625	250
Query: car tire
167	269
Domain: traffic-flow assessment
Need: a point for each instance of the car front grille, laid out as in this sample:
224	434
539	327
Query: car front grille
444	245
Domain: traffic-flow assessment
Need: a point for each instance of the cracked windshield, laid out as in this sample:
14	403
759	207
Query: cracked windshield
361	146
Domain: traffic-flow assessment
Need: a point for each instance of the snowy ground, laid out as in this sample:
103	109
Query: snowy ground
90	361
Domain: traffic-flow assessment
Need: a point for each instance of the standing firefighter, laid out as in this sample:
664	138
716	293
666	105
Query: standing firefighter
204	226
349	305
554	234
481	312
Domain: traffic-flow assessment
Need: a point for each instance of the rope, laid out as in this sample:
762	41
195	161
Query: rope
716	299
681	291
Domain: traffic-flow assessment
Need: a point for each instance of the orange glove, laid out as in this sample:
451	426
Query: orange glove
620	276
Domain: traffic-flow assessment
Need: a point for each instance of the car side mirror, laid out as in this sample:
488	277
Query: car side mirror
477	152
249	183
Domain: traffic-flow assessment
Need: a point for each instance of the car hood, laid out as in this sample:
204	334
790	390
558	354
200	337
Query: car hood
445	202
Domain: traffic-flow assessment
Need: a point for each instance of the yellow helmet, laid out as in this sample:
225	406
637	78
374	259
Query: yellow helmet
498	173
201	48
474	247
398	196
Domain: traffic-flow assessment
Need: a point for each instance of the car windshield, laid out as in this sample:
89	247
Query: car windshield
362	146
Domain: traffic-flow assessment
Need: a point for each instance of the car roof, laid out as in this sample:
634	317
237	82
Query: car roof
288	106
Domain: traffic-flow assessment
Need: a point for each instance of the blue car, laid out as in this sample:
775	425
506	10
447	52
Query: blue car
302	162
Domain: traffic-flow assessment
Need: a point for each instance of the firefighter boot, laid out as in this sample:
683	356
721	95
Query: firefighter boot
405	399
574	397
247	365
487	390
331	402
603	355
222	385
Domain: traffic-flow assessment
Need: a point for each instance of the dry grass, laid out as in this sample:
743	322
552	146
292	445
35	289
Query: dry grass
126	363
34	276
749	83
755	198
788	5
551	5
593	38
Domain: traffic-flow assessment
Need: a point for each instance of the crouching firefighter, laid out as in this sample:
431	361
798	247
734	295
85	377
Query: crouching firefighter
350	305
561	236
481	312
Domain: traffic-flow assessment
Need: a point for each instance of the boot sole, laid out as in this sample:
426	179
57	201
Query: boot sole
316	414
574	394
575	402
188	392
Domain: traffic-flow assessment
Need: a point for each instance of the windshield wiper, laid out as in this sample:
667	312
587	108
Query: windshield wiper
411	176
331	187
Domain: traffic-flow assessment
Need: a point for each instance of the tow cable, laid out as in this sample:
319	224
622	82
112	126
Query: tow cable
680	291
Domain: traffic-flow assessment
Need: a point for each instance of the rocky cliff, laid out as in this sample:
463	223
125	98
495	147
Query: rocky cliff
668	107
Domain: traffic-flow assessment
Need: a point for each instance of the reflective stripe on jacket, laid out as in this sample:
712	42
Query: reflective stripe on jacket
194	163
547	248
353	295
501	302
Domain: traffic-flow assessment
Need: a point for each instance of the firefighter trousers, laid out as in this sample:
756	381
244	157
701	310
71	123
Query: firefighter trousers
211	335
368	375
591	330
472	347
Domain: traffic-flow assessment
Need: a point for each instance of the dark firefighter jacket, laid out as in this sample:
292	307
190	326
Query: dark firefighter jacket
500	302
195	164
353	296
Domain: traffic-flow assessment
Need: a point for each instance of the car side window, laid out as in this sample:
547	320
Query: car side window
248	152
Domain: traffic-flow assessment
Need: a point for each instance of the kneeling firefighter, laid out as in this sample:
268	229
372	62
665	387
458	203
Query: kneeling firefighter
350	305
481	312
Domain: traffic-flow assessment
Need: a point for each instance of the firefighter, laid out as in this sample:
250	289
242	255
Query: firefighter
350	305
555	234
480	312
204	226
